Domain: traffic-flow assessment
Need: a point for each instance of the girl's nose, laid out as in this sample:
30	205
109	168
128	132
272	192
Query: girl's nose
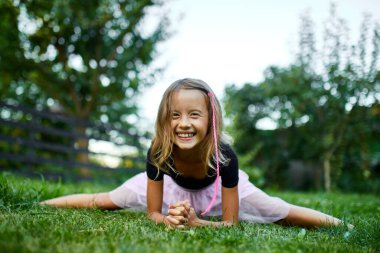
184	122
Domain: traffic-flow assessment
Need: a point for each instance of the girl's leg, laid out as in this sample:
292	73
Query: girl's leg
97	200
309	218
262	208
259	207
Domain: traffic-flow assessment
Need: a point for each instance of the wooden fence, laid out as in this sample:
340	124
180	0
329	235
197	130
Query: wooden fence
37	142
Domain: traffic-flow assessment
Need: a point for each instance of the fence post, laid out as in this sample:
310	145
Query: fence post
31	151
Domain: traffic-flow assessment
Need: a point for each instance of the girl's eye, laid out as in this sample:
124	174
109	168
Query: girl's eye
195	115
175	115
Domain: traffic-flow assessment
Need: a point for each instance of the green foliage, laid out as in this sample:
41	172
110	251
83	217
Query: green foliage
89	59
324	106
34	228
255	174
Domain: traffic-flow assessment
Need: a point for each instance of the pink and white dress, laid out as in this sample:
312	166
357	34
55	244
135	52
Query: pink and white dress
254	204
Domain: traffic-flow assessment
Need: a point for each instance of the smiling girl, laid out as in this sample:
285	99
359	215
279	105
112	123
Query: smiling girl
192	169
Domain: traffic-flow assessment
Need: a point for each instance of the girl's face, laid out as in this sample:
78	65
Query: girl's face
189	118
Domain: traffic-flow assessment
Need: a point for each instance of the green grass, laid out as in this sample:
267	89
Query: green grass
28	227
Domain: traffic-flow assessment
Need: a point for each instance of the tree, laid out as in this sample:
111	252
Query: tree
349	79
316	98
87	58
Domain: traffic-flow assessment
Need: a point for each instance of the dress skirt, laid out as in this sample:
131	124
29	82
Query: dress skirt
254	204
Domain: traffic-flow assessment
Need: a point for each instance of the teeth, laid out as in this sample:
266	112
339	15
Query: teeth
185	135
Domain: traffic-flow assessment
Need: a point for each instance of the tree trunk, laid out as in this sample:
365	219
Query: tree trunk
337	141
327	173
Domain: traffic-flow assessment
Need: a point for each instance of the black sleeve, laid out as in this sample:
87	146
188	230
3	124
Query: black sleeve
152	172
230	171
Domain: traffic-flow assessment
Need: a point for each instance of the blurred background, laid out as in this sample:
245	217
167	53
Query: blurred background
80	84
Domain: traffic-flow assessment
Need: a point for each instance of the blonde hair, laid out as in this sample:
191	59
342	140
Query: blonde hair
162	144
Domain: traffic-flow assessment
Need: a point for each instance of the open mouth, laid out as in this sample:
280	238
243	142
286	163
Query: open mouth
185	135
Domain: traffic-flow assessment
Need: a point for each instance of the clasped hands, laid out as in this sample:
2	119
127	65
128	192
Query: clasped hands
181	215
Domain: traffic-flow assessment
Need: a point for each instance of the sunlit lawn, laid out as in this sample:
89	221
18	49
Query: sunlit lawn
27	227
